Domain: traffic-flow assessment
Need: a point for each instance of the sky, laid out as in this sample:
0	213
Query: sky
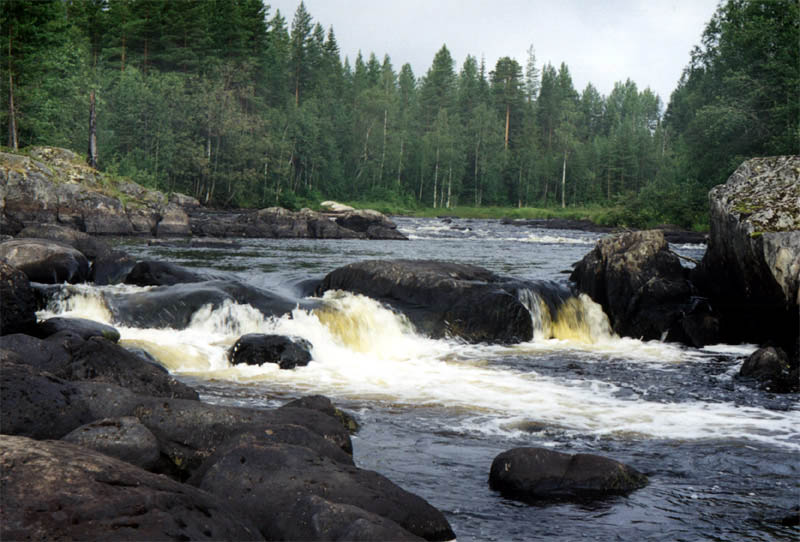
601	41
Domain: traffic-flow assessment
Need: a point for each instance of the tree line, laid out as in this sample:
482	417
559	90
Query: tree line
231	103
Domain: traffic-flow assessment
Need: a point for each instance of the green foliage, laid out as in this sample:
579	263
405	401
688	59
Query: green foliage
225	101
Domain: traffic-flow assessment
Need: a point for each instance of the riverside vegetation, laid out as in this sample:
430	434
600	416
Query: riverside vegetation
229	102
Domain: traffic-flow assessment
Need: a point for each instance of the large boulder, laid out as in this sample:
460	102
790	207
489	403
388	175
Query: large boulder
45	261
82	327
373	224
88	245
535	474
125	438
258	478
155	273
18	312
257	348
643	289
751	268
441	298
61	491
772	369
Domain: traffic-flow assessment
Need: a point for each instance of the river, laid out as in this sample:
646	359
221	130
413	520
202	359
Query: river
722	457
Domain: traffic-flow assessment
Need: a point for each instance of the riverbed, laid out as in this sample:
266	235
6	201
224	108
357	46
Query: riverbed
722	457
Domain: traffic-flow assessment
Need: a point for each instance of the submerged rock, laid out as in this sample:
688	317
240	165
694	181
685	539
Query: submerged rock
751	269
441	298
46	261
155	273
535	474
61	491
257	348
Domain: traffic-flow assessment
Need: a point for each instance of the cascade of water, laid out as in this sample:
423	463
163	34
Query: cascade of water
557	314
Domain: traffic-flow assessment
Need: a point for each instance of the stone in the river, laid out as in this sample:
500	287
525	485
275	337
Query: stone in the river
372	223
534	474
155	273
124	438
751	268
46	261
259	478
314	518
173	221
59	491
258	348
82	327
69	356
441	298
111	268
17	300
643	289
88	245
773	369
323	404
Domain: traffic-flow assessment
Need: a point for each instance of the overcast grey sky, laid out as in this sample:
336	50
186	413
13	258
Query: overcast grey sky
602	41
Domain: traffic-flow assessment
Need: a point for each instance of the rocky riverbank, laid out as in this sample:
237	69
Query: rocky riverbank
49	185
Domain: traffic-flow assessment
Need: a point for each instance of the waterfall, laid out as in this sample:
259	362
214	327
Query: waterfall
556	313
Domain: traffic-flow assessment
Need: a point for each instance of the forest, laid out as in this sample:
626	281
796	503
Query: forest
239	106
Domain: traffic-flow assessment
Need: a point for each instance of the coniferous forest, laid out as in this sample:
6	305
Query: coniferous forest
238	105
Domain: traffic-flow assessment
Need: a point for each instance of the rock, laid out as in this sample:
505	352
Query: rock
256	349
79	326
374	224
124	438
335	207
441	298
772	368
46	261
18	312
174	306
154	273
174	222
111	268
323	404
751	268
187	202
533	474
643	289
60	491
258	478
66	355
314	518
89	246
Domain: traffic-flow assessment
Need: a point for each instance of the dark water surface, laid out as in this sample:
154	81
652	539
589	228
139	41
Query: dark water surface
722	457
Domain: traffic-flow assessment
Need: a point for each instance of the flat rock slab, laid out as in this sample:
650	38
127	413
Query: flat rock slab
61	491
539	474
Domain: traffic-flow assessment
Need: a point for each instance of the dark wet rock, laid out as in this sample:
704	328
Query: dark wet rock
80	326
155	273
257	348
792	519
643	289
88	245
535	474
46	261
60	491
258	478
67	355
314	518
37	404
18	311
772	369
751	269
124	438
173	221
111	268
323	404
373	224
441	298
173	306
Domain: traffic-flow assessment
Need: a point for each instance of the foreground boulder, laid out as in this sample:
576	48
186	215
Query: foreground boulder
124	438
60	491
82	327
258	478
18	312
644	290
46	261
751	269
441	298
534	474
257	348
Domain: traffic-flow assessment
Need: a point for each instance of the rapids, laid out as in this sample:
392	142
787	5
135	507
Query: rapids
722	457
